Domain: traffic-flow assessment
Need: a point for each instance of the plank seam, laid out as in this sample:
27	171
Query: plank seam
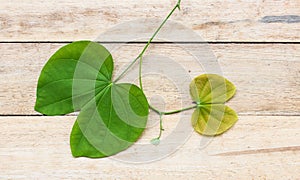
155	42
29	115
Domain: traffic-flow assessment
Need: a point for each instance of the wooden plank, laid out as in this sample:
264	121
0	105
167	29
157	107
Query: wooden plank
266	75
257	147
213	20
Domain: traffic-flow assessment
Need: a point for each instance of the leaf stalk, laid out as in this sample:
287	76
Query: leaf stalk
139	57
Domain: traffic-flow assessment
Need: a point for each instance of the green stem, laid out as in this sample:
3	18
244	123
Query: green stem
147	45
172	112
140	73
161	113
140	57
161	129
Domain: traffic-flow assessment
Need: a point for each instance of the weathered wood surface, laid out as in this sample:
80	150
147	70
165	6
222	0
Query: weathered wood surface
257	147
214	20
266	76
264	144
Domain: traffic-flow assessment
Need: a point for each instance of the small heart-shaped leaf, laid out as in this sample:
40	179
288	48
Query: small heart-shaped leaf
211	88
213	119
210	92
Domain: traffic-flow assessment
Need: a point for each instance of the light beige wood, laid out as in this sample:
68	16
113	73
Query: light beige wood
263	144
213	20
257	147
266	76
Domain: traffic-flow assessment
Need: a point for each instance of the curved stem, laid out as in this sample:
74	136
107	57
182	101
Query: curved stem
161	129
140	58
161	113
148	43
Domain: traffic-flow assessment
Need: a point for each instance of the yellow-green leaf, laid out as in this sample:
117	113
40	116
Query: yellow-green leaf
210	92
211	89
213	119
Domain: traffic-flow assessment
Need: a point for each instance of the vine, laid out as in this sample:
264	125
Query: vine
113	115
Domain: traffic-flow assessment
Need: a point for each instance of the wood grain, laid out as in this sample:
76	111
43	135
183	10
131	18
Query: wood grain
266	76
38	147
213	20
264	144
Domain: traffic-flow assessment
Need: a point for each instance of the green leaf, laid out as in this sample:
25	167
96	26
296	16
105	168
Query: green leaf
211	88
213	119
79	77
210	92
56	94
116	122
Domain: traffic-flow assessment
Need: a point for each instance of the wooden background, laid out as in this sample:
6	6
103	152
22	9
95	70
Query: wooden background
256	42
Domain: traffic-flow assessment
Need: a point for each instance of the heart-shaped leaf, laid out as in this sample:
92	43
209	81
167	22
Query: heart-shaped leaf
72	77
210	92
213	119
211	88
79	77
112	124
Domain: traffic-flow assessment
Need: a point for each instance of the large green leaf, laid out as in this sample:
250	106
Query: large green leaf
79	77
117	121
213	119
210	92
92	65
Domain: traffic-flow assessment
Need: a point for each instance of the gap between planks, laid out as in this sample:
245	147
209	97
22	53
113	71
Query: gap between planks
76	114
155	42
215	20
